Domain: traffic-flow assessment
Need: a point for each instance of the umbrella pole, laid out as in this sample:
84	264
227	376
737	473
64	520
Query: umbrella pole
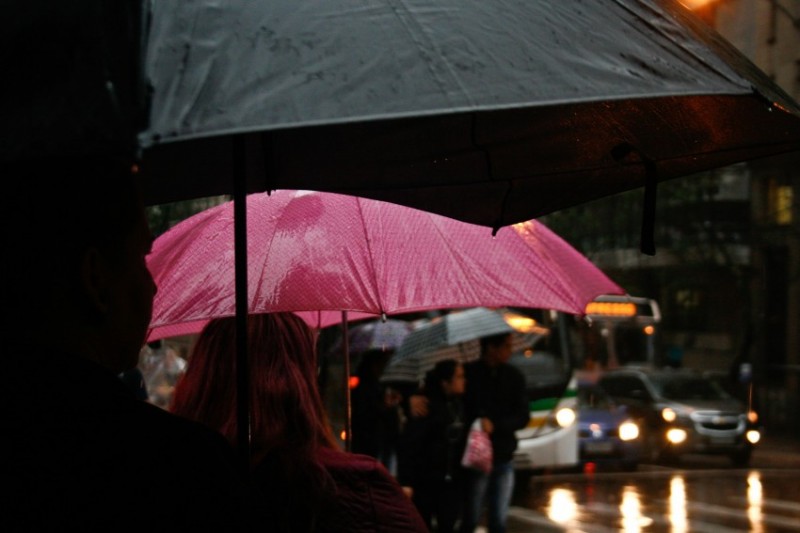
240	258
348	424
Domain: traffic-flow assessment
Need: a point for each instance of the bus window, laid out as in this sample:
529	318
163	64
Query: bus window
619	330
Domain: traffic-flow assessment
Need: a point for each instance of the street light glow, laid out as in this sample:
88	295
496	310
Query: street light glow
696	4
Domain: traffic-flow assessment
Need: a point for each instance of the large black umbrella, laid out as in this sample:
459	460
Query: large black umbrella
489	112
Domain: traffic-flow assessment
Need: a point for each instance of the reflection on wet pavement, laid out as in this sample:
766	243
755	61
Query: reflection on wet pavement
677	505
562	508
661	499
631	508
754	496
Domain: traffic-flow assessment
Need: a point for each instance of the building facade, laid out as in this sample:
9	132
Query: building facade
768	32
727	269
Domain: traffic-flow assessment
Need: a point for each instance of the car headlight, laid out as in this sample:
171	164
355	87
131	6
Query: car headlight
669	414
565	417
628	431
752	416
753	436
676	436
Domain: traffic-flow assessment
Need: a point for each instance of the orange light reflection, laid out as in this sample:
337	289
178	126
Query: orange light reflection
754	501
633	521
563	508
677	505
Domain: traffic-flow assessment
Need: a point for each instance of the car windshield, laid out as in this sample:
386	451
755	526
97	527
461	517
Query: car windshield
541	371
593	398
544	373
689	388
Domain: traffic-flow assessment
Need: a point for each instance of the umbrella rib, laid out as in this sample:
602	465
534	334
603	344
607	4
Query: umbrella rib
557	284
552	282
427	47
360	211
656	28
449	245
263	271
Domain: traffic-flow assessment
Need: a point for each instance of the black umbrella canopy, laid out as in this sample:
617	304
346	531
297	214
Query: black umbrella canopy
489	112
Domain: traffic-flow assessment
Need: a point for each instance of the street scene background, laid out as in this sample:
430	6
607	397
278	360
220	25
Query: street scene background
727	278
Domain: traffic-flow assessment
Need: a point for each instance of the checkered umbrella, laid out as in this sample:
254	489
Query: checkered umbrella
454	336
379	334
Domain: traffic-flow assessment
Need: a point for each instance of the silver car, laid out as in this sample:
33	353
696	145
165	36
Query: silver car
682	411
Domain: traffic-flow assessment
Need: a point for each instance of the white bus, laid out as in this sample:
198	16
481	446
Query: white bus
550	440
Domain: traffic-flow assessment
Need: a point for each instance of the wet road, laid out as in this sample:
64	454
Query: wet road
699	494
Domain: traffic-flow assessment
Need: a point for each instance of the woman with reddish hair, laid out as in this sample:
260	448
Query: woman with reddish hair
305	482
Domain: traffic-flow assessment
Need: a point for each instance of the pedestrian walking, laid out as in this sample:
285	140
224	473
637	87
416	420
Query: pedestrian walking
431	447
495	395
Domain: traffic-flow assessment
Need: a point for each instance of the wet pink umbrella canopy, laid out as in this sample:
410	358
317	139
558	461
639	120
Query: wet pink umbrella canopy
323	253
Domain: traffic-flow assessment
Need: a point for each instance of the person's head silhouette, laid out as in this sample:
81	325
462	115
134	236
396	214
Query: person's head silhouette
79	237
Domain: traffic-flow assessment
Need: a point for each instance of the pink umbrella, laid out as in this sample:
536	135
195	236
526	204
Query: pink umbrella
322	253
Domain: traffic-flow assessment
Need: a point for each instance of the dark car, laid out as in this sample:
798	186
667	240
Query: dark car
681	411
607	434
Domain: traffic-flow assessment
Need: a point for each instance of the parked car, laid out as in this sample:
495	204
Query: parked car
681	411
606	432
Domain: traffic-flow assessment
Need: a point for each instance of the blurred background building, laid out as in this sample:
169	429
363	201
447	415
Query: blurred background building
727	269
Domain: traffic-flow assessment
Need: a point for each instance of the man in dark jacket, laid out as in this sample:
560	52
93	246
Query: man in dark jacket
82	452
495	394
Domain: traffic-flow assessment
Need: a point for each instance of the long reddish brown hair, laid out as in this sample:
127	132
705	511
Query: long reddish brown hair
286	409
288	422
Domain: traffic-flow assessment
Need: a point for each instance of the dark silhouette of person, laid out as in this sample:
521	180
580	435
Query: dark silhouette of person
375	409
82	453
306	482
495	394
430	448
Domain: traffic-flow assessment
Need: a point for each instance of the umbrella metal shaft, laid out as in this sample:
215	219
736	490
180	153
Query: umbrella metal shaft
348	437
240	258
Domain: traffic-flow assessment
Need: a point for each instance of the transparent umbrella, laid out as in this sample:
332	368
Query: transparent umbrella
383	335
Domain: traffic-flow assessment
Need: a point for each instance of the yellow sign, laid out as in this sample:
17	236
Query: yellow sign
619	309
